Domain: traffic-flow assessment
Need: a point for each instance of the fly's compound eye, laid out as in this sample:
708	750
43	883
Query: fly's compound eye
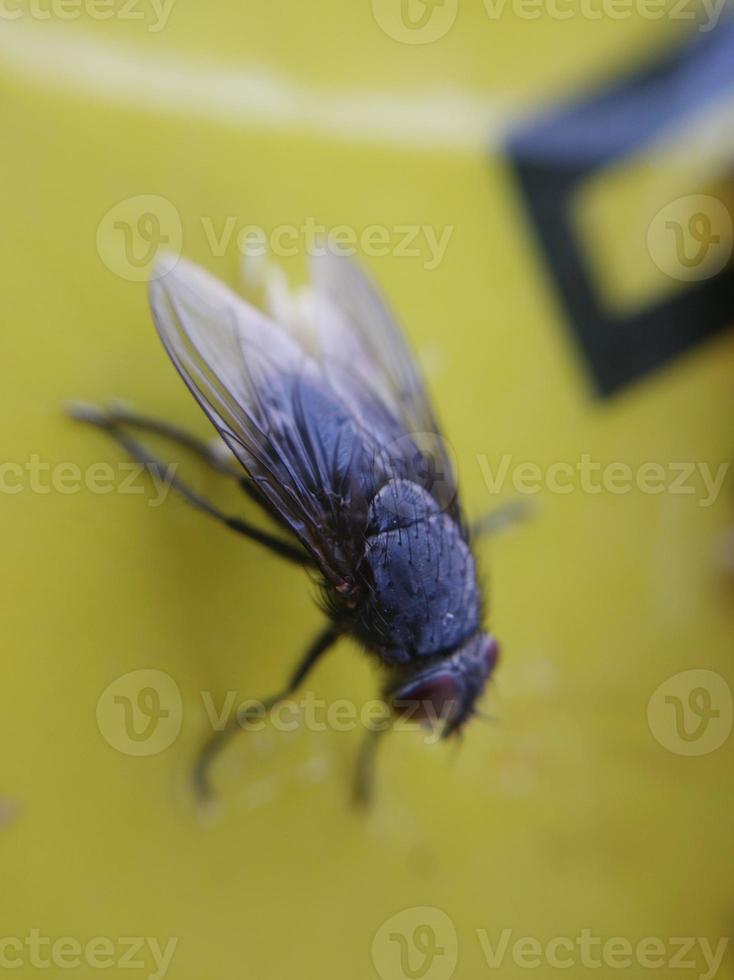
435	701
490	654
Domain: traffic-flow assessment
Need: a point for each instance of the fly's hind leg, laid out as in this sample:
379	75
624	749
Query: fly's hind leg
113	424
217	741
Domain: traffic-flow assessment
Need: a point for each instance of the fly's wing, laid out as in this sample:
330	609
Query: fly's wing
367	359
275	409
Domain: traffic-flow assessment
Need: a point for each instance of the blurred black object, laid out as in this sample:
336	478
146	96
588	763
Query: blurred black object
554	154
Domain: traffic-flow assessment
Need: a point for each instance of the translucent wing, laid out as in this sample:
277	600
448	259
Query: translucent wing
366	357
273	405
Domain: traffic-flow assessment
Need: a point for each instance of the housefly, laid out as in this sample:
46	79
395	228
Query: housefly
332	435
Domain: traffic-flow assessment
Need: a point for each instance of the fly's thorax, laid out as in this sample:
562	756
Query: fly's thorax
421	593
399	504
442	695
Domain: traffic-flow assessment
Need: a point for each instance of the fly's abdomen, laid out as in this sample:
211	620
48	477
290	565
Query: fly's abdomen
423	595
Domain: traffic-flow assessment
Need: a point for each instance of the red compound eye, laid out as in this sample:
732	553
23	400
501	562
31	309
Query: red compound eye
436	699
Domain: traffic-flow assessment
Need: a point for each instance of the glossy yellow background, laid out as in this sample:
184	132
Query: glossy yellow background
566	813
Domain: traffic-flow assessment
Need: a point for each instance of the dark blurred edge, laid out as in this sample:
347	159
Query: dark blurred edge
554	153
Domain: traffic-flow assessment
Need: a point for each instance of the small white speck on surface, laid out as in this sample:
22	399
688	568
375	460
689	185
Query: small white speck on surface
8	812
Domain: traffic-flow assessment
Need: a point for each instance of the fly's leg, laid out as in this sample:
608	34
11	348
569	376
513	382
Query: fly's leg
364	783
323	642
209	452
119	414
252	491
165	472
503	517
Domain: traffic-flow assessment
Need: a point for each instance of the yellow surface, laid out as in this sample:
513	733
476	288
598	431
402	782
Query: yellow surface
567	813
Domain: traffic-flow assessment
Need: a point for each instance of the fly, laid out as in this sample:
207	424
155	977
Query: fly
333	436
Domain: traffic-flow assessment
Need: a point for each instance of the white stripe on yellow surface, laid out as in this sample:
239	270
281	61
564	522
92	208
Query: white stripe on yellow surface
65	61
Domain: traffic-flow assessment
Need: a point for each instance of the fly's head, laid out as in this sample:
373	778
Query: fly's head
443	694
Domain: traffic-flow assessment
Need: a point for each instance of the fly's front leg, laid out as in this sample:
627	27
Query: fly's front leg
165	472
323	642
215	453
